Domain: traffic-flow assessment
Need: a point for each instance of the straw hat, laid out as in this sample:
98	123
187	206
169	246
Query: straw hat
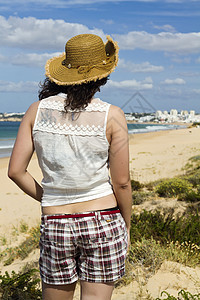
86	58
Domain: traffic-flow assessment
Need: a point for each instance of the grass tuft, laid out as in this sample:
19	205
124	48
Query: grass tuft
24	249
22	286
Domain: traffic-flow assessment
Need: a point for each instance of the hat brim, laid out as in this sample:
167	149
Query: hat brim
62	75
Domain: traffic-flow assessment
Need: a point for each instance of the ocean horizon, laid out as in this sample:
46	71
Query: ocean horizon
8	133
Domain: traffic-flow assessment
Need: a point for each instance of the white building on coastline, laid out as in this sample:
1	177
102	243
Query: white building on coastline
184	113
173	112
158	114
165	113
192	113
184	116
167	117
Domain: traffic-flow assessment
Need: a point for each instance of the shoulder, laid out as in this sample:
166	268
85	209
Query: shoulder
113	109
116	114
116	122
31	112
116	110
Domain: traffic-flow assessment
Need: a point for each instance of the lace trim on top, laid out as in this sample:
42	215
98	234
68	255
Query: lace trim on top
59	105
50	118
65	129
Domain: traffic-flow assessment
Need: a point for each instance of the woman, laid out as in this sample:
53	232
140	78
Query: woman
77	137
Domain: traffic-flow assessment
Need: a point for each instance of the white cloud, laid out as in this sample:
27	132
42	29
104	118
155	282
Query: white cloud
139	68
189	74
2	58
28	59
49	34
32	59
165	27
16	87
107	22
198	60
178	81
178	58
133	84
164	41
196	91
45	34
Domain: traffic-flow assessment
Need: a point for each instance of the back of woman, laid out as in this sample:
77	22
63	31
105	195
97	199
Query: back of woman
82	147
72	149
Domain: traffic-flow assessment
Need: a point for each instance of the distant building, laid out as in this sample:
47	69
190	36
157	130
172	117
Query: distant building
184	113
192	113
165	113
158	114
173	112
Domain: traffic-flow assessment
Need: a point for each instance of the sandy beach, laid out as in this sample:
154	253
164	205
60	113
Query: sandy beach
153	156
15	205
161	154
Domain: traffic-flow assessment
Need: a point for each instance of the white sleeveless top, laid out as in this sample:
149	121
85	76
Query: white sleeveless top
72	151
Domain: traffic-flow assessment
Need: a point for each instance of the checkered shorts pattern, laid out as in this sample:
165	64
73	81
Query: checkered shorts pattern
86	248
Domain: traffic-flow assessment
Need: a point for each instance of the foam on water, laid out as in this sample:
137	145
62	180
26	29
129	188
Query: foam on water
143	128
6	146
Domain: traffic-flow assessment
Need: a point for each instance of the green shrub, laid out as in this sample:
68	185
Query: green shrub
182	295
147	253
195	158
136	185
165	228
195	123
194	179
173	187
20	286
185	253
190	196
22	251
139	197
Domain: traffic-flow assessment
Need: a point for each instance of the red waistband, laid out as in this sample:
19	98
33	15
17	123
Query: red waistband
81	215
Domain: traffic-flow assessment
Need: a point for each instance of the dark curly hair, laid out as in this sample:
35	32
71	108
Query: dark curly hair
78	96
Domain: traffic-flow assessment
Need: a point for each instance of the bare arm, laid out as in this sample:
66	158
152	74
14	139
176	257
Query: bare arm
21	156
119	162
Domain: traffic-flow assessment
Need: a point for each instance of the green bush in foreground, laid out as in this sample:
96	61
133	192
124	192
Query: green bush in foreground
140	197
194	178
20	286
182	295
173	187
191	196
136	185
165	228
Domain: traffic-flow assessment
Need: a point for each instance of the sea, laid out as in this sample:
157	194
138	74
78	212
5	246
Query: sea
8	133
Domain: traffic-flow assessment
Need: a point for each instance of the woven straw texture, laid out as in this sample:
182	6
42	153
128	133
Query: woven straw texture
86	58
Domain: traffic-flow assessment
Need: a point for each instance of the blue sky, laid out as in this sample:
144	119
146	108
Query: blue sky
159	58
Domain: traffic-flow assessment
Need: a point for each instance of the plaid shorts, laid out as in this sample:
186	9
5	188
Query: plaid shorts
90	248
